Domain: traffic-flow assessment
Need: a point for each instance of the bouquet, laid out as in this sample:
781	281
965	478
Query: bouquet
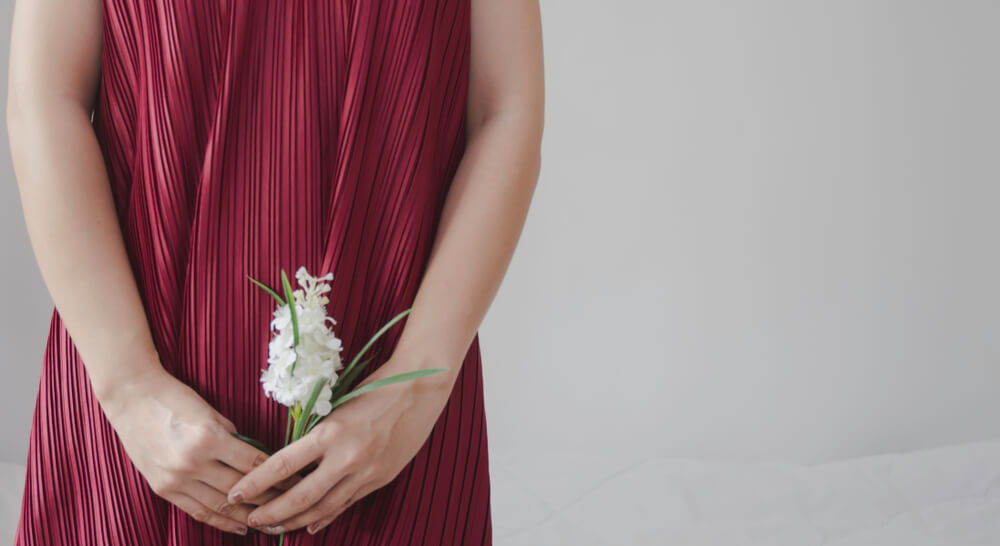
305	371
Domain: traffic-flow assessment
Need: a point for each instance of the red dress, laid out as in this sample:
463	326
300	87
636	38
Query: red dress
242	137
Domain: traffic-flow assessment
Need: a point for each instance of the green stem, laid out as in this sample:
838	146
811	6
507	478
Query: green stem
288	426
307	412
295	319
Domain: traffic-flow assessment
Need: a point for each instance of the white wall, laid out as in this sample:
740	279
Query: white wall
763	230
25	306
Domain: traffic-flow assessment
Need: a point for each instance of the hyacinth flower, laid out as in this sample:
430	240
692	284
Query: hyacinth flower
305	371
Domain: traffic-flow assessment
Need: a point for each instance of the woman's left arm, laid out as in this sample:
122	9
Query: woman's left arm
366	442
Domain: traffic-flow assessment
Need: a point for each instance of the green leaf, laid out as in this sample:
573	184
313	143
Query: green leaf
307	412
291	308
377	335
311	422
342	385
347	372
387	381
346	379
252	442
339	386
268	290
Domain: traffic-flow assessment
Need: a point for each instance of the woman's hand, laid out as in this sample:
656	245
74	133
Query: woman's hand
183	447
359	447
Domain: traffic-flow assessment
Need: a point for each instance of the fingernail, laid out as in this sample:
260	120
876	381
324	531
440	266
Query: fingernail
241	530
275	530
253	521
313	528
235	496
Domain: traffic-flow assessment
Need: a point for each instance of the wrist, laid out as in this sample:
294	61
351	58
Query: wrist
439	384
119	393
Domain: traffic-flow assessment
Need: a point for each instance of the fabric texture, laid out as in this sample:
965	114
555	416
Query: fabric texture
240	138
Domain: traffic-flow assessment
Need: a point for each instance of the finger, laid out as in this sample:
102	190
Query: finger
280	466
326	520
333	502
200	512
217	501
300	498
239	454
289	482
222	478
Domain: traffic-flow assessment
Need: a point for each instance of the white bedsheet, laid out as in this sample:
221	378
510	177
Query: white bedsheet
942	497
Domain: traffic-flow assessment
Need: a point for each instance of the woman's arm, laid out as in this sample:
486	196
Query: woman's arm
65	195
179	443
488	201
365	443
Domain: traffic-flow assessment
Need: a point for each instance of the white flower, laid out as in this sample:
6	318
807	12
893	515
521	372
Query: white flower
323	404
293	370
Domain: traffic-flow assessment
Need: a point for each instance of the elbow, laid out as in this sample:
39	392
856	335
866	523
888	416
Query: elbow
521	112
525	125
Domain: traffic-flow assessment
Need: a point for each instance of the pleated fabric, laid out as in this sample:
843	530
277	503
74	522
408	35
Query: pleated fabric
242	137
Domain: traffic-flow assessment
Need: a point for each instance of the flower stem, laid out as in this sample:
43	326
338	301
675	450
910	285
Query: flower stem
288	426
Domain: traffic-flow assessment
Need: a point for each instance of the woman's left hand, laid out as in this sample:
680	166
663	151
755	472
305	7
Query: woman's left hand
359	447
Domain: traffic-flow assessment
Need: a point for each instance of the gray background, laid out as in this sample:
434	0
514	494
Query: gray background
763	230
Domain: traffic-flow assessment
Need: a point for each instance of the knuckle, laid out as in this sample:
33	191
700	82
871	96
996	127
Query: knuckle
219	523
353	455
203	438
336	513
167	484
200	514
282	466
347	503
157	482
378	480
369	474
301	500
225	508
258	459
319	439
160	489
323	522
327	429
357	455
184	463
335	503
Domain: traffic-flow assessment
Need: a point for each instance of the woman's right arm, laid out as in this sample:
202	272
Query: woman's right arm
65	194
173	436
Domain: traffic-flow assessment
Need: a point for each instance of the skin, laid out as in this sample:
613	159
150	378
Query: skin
366	442
179	443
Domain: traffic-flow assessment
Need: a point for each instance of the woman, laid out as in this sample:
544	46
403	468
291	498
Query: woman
394	144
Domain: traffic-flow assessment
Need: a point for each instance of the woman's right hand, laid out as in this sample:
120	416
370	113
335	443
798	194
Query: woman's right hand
183	448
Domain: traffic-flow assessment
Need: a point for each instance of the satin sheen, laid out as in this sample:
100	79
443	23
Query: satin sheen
241	137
